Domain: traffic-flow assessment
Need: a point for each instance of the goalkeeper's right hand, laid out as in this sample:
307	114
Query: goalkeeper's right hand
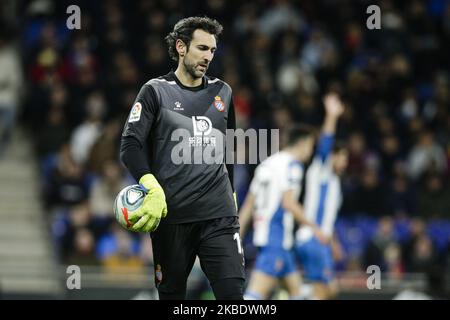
153	208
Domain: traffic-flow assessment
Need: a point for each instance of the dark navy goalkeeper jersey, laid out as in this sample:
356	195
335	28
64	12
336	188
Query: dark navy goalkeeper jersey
195	190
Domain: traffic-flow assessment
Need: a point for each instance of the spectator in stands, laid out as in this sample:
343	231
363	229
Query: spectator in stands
11	83
155	57
67	184
105	189
87	133
417	229
423	256
104	148
67	221
317	51
358	155
400	196
369	197
378	248
122	255
146	251
434	197
83	252
282	15
393	260
425	155
54	134
390	154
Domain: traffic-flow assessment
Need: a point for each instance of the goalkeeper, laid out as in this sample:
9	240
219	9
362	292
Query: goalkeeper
196	202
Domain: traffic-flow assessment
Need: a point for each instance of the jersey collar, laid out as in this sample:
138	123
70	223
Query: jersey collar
172	77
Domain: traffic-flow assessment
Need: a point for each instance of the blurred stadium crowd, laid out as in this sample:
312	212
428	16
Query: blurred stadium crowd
279	57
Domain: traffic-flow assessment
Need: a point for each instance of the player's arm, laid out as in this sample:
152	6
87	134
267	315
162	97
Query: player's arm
291	204
333	110
336	249
134	157
245	213
231	124
135	133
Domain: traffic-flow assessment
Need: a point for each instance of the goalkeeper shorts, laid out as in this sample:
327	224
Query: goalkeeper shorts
175	247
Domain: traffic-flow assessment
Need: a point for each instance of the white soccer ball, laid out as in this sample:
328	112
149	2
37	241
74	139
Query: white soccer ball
128	200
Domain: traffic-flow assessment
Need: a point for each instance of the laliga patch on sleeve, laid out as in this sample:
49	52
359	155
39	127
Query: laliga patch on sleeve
135	113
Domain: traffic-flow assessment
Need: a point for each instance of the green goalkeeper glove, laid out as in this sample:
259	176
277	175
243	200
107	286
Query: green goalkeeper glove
235	200
153	208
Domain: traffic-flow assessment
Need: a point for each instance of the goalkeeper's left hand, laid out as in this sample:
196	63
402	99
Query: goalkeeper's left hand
153	208
235	200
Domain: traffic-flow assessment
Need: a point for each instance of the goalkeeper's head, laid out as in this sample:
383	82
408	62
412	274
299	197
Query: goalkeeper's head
193	42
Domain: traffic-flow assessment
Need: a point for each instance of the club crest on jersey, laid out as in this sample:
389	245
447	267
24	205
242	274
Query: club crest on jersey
219	104
135	113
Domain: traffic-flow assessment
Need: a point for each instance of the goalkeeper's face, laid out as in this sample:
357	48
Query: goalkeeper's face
199	54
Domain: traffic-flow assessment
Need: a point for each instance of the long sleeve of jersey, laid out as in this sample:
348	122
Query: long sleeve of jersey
231	124
133	142
325	146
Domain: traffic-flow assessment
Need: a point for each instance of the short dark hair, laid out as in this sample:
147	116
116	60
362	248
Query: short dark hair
298	132
184	29
339	145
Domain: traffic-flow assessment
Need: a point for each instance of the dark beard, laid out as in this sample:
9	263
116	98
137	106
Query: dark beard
190	68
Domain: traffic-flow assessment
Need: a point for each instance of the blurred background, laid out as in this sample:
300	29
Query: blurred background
65	95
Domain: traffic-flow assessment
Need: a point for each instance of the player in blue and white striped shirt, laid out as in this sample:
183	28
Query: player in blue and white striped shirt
323	198
272	201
